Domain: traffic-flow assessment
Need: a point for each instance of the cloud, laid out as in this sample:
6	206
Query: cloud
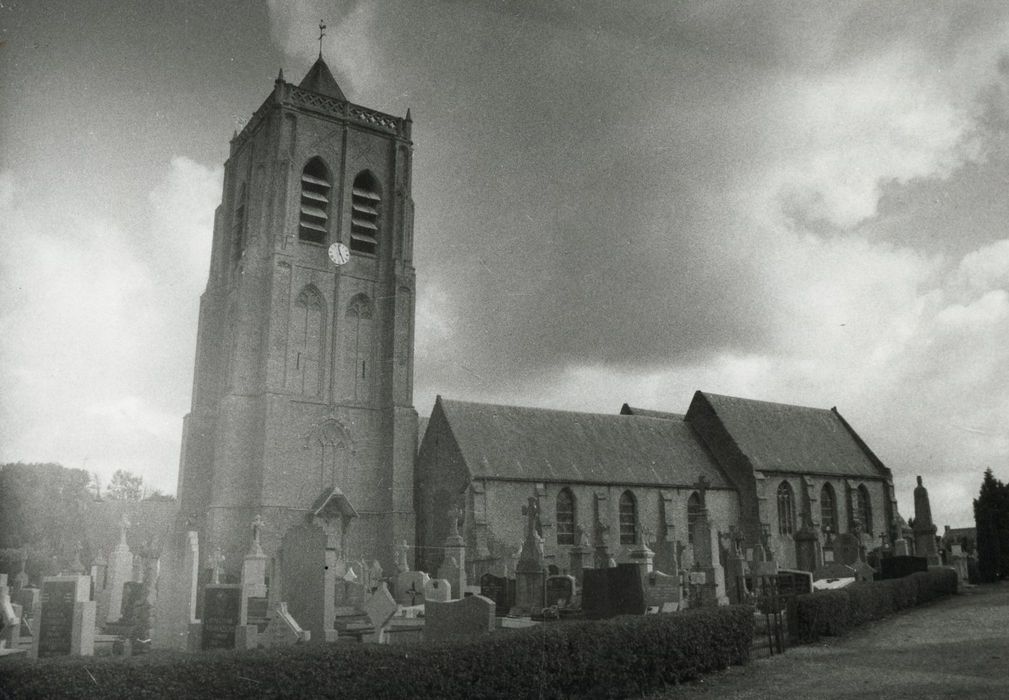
94	335
347	46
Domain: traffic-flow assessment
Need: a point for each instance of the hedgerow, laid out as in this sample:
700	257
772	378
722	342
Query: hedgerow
832	613
626	656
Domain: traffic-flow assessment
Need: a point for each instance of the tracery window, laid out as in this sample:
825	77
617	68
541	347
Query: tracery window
828	509
628	518
565	517
306	338
694	512
864	508
786	509
357	347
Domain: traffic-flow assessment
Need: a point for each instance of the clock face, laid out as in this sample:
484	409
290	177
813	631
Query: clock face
339	254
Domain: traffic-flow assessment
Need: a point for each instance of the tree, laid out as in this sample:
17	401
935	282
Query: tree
991	518
125	486
42	507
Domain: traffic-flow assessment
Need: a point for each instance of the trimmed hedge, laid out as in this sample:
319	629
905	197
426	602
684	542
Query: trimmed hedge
832	613
626	656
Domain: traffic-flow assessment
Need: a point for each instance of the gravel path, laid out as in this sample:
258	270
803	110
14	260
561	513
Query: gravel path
958	647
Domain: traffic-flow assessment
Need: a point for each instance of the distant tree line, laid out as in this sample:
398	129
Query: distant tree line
991	517
42	508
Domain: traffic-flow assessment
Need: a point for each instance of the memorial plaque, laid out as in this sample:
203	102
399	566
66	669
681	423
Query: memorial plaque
221	608
697	578
499	589
259	608
56	623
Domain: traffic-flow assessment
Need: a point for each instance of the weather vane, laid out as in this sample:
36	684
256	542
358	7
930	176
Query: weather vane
322	33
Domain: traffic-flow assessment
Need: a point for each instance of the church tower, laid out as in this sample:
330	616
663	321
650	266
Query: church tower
302	408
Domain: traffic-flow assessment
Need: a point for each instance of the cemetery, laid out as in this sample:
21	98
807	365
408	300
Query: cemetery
623	627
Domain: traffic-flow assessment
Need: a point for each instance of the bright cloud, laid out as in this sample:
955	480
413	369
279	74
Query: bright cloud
88	344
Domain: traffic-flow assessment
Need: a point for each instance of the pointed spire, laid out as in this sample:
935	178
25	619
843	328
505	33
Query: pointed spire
408	117
280	76
320	79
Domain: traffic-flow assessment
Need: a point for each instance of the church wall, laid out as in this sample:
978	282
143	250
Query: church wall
506	523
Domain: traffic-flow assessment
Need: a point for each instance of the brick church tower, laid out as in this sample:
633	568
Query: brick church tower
302	409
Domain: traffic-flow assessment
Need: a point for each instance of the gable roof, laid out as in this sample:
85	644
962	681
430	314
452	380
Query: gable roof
628	410
538	444
783	437
320	79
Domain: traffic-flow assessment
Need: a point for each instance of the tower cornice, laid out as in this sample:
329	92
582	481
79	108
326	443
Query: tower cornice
294	97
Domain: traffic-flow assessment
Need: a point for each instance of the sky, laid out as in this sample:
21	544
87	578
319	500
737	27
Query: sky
616	202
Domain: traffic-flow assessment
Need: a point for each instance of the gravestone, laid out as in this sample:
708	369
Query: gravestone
610	592
662	592
119	572
499	589
847	549
833	570
560	591
438	590
410	587
901	548
66	624
472	616
899	567
349	597
283	630
222	606
10	618
177	592
380	608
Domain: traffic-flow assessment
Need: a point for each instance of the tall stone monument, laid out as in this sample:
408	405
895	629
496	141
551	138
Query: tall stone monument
924	528
120	570
530	572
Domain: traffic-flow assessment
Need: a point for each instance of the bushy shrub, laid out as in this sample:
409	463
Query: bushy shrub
626	656
831	613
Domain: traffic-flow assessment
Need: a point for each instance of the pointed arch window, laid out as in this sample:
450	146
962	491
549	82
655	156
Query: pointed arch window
786	509
828	509
864	504
565	517
357	348
306	334
694	512
238	222
364	203
628	518
313	217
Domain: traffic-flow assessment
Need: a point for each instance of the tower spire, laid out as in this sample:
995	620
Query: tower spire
322	33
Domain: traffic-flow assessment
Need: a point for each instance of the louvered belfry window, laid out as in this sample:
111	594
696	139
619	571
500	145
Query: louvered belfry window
313	219
365	200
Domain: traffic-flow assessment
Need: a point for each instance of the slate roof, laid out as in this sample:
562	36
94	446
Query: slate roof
628	410
783	437
538	444
320	79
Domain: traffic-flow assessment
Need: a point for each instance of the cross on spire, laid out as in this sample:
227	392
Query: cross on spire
322	33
